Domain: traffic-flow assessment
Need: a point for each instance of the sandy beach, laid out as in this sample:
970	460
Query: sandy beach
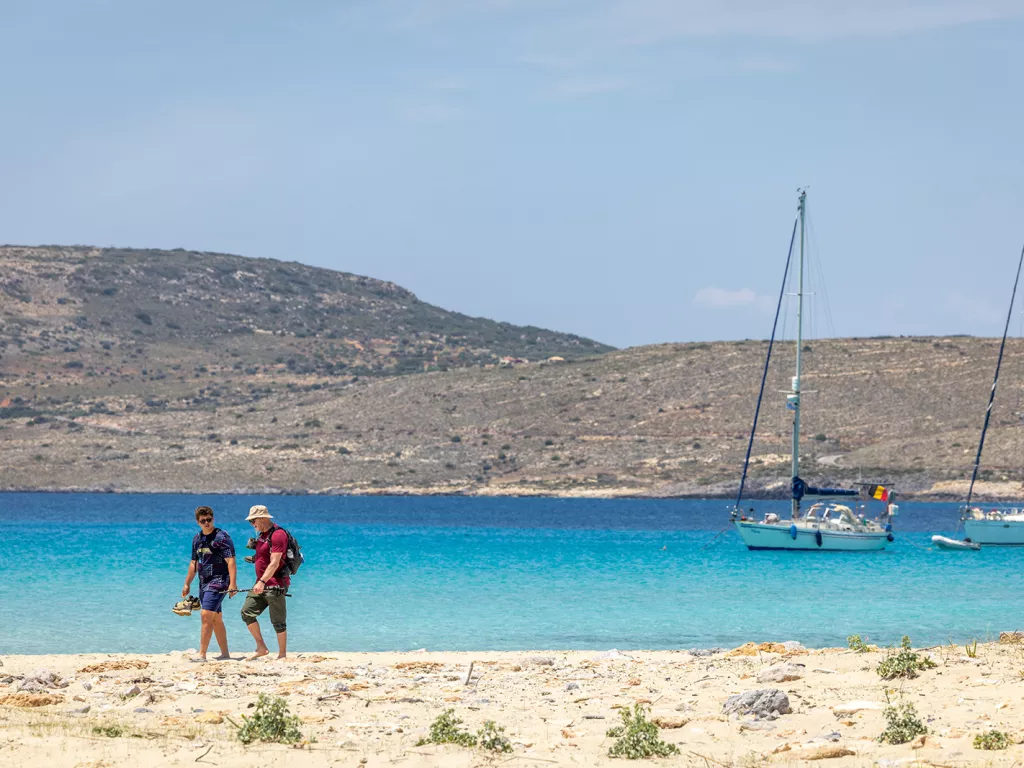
94	711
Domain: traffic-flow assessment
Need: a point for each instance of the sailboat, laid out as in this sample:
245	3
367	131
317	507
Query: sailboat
1003	527
824	525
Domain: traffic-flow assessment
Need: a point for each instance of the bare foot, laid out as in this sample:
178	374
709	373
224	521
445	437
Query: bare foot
282	656
223	657
259	652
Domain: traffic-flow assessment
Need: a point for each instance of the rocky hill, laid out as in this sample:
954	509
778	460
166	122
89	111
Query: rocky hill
663	420
138	314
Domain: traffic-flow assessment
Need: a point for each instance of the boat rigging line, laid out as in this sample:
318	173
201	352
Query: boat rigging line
767	360
995	381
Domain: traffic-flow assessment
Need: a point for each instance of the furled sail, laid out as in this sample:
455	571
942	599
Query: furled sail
801	489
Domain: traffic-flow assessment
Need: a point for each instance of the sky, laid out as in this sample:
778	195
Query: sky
622	169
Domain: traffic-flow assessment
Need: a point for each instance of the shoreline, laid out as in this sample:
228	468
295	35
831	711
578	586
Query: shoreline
372	708
399	492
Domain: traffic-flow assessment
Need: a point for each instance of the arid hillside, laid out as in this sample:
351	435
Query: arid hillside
127	316
662	420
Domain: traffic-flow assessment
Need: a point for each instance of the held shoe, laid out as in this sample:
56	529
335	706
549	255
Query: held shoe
186	606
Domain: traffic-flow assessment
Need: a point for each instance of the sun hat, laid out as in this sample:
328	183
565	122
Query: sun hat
257	512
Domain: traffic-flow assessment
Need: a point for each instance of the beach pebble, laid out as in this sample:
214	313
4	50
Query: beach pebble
793	645
610	654
706	651
756	726
80	710
41	680
572	687
760	703
853	707
210	718
339	686
825	753
134	690
539	661
87	685
142	710
781	673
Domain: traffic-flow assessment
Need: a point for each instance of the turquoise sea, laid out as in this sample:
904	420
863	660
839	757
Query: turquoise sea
100	572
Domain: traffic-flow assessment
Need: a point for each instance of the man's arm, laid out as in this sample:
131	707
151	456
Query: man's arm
228	553
188	578
269	571
232	576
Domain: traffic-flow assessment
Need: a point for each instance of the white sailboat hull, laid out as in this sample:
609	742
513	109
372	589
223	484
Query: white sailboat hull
780	536
999	532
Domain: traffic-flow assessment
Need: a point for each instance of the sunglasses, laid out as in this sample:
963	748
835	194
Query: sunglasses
205	520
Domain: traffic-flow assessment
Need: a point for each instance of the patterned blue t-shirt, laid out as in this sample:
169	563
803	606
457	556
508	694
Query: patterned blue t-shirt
210	553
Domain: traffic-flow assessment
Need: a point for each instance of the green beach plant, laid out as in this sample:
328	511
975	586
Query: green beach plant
445	730
901	724
270	722
903	663
637	738
491	737
991	740
971	650
855	643
111	730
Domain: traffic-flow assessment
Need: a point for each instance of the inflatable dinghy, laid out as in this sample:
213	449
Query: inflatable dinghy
954	544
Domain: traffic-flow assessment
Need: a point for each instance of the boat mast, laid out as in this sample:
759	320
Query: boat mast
793	400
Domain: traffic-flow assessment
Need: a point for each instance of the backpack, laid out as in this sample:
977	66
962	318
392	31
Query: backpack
293	559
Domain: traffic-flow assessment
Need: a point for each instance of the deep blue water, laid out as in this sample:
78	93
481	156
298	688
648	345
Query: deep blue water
100	572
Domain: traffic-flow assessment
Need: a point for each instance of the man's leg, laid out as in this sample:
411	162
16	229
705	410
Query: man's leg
279	618
210	601
261	647
282	645
221	633
253	607
205	632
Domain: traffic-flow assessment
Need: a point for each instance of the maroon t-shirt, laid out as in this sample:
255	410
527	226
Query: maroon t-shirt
274	540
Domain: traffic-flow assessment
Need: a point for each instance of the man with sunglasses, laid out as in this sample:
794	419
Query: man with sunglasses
213	558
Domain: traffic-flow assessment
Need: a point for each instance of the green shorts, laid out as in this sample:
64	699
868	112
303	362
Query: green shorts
256	604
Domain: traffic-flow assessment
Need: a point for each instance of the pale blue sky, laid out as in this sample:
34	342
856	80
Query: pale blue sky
623	170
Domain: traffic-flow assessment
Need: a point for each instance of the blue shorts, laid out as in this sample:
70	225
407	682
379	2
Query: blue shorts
210	599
